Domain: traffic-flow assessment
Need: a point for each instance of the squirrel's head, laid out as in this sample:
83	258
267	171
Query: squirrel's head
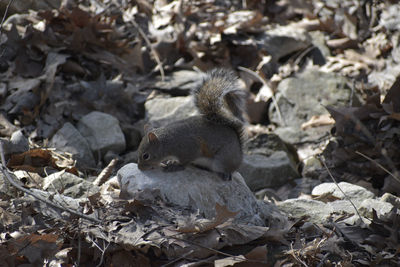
148	151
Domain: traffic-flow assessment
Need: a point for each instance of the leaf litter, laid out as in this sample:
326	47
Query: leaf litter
57	65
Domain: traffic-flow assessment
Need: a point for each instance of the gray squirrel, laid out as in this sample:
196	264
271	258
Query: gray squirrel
212	139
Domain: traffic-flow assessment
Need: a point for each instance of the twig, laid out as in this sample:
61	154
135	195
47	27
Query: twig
379	165
204	247
155	54
105	174
264	82
103	250
4	17
8	177
178	259
336	183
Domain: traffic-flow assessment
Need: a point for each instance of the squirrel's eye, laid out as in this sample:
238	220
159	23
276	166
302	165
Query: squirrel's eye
145	156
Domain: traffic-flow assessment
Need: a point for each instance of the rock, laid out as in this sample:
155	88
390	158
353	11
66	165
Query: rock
198	189
283	40
383	209
18	143
133	134
69	185
317	211
102	132
181	82
260	171
68	139
160	110
130	157
312	166
3	90
301	97
392	199
354	192
268	144
321	212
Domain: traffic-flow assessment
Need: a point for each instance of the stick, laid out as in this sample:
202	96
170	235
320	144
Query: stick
8	177
334	180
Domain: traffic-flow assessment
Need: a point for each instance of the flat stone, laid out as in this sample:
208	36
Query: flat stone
306	95
103	133
69	185
161	111
261	172
69	139
354	192
317	211
197	189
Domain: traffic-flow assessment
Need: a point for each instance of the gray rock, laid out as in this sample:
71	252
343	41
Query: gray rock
392	199
69	185
18	143
268	144
317	211
260	171
160	110
354	192
68	139
283	40
382	208
301	97
320	212
102	132
181	82
133	134
197	189
312	167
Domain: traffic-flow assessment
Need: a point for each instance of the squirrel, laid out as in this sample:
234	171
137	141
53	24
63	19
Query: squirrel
212	139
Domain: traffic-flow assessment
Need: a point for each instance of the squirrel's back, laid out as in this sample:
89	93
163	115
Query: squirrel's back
221	100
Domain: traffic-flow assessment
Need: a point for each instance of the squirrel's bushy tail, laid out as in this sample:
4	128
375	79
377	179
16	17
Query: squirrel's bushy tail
221	100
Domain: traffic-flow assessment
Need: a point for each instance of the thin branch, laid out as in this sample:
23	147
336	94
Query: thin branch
8	177
336	183
155	54
4	17
379	165
264	82
178	259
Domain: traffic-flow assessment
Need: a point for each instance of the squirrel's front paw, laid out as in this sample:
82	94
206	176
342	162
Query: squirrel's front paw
172	166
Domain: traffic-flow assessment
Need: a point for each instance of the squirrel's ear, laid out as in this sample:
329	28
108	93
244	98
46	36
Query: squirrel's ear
152	137
147	127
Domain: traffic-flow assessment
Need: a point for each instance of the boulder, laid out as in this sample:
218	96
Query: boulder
69	139
103	133
198	190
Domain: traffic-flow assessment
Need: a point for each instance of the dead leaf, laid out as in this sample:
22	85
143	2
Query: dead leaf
318	120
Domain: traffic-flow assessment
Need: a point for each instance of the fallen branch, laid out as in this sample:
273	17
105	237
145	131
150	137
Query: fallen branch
8	177
336	183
